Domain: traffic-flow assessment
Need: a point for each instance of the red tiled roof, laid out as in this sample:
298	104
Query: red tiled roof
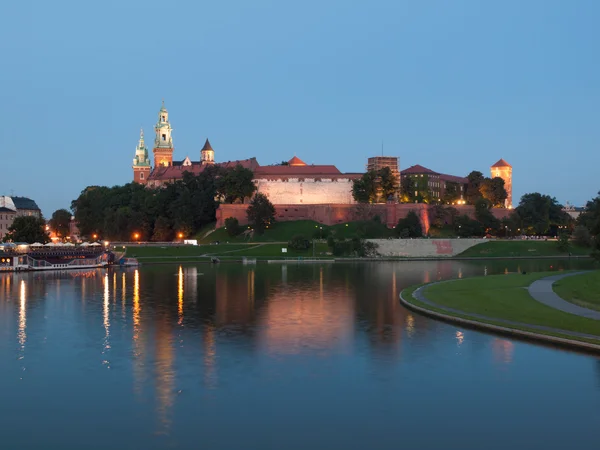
417	169
502	163
176	171
453	178
292	171
295	161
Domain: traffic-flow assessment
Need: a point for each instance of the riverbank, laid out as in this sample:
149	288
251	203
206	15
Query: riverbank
502	303
582	290
236	251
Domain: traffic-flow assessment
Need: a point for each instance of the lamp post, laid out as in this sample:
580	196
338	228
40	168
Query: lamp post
136	236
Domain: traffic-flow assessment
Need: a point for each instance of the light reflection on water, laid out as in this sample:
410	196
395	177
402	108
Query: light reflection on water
198	350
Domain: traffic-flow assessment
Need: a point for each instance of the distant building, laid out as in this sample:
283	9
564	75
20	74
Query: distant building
426	180
11	207
573	211
503	170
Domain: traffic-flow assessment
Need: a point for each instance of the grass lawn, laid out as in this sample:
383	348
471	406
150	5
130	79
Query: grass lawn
284	231
505	297
229	251
494	249
582	290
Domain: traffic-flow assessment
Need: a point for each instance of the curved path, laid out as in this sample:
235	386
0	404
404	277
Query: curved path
420	296
541	290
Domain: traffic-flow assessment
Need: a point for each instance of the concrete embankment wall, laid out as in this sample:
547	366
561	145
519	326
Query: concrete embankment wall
421	248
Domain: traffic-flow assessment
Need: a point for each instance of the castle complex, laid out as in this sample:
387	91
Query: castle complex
292	183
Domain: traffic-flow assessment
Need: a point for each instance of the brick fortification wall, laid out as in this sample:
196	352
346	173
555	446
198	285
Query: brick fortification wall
331	214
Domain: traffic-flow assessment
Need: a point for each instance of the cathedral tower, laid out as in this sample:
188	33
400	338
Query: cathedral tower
141	162
207	154
163	143
503	170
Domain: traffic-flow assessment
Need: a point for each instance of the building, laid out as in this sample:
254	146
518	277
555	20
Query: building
503	170
573	211
427	182
11	207
293	183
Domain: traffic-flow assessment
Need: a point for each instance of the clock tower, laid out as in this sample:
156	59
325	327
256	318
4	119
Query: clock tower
163	142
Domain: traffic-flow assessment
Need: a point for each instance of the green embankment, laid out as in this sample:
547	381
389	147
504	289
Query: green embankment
503	297
521	248
582	290
223	251
284	231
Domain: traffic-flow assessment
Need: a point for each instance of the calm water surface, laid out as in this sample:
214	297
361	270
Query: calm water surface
275	357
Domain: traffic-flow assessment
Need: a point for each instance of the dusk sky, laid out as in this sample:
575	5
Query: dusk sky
451	85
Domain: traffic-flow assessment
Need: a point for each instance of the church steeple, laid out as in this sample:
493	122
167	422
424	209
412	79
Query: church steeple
141	162
163	142
207	154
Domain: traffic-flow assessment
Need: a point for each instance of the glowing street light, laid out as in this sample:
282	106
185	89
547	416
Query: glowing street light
180	235
95	236
136	236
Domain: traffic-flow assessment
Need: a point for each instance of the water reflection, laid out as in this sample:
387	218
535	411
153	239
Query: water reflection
106	320
317	335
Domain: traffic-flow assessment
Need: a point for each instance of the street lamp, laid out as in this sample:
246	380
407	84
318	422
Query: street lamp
95	236
180	235
136	236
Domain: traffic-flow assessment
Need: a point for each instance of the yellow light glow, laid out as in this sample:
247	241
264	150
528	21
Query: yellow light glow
180	295
22	334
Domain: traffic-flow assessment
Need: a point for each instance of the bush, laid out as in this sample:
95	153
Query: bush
467	227
582	236
232	226
299	242
356	247
411	223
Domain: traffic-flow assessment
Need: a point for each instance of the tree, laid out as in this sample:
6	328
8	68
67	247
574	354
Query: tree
582	236
538	213
473	193
492	189
411	224
485	217
590	217
261	213
364	189
232	225
467	227
236	184
60	222
299	242
388	184
407	190
28	229
163	231
563	242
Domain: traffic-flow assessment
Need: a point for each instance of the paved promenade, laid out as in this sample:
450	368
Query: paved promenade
541	290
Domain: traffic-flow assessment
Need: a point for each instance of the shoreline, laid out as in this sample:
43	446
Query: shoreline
548	340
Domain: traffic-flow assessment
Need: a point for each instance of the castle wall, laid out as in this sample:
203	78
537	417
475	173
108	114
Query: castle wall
306	192
424	248
331	214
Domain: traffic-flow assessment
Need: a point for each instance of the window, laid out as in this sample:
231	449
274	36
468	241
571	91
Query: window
141	175
163	118
164	136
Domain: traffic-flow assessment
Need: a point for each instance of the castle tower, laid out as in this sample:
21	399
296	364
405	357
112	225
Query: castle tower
141	162
163	143
503	170
207	154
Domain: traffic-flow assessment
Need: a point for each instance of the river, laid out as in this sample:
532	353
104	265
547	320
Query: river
276	357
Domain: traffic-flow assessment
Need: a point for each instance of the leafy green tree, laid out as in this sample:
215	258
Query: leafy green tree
28	229
163	231
539	213
492	189
590	217
484	216
261	213
236	184
299	242
563	242
407	190
233	226
473	193
582	236
388	184
364	189
412	224
60	222
464	226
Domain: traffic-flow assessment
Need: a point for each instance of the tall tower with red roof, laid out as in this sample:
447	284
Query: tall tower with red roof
503	170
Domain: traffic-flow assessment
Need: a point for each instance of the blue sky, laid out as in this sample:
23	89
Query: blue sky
452	85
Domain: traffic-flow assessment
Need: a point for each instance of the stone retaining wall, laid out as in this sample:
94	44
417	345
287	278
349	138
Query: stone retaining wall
421	248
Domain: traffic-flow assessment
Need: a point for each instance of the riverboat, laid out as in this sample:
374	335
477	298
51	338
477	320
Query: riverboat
55	259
